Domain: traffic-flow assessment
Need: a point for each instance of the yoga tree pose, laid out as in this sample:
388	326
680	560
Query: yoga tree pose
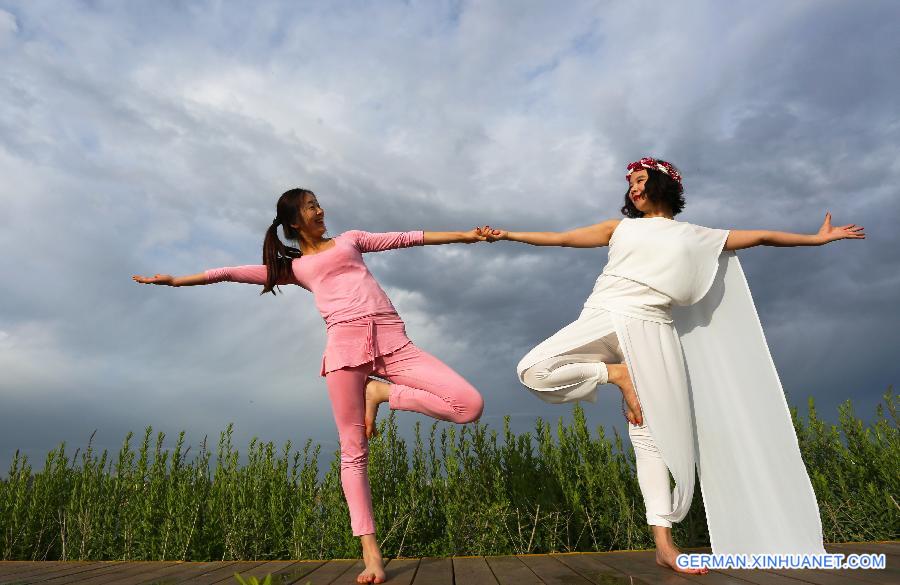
365	337
671	323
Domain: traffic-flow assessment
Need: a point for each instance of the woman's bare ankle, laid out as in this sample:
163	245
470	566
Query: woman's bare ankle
615	373
618	374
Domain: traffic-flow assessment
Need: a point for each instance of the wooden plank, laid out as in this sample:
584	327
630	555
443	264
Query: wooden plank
865	547
180	571
137	571
13	581
818	577
101	569
472	571
591	567
224	574
265	569
874	576
892	546
643	564
402	571
510	570
889	575
13	567
116	570
39	573
63	576
295	572
762	577
349	577
42	567
435	571
551	571
327	573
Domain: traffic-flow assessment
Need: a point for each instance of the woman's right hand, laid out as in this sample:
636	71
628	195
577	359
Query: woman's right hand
166	279
493	234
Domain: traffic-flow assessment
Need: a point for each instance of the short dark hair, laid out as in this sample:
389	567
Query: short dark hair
660	188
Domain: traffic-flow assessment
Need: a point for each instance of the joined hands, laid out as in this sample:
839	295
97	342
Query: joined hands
491	234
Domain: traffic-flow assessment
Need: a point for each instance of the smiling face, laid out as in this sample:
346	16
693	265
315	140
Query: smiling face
312	218
636	184
653	192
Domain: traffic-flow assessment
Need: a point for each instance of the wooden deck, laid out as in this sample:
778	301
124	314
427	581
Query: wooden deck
612	568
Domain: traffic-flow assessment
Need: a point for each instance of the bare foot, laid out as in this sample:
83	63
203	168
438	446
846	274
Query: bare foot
376	393
374	571
665	557
618	375
373	574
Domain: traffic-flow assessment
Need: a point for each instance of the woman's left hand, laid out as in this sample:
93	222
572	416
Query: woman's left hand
474	235
829	233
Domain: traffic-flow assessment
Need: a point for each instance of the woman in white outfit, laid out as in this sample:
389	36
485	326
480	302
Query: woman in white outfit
671	322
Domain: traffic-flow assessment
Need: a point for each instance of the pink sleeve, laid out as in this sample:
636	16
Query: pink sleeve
251	274
379	242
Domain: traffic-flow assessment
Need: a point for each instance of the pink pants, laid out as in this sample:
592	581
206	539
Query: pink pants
420	383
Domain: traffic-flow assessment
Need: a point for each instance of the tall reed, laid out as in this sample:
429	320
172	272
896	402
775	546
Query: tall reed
455	490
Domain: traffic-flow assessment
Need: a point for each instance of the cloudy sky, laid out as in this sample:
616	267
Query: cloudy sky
156	137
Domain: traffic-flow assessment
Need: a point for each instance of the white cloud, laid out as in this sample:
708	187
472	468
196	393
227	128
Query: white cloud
8	26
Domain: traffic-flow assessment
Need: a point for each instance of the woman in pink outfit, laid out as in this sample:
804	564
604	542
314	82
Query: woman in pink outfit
365	337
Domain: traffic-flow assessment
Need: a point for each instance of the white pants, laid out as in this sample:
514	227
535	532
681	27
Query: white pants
588	362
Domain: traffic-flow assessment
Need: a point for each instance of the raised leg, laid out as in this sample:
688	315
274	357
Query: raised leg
562	371
422	383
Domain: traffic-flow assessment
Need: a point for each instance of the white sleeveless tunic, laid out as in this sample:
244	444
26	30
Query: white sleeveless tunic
711	397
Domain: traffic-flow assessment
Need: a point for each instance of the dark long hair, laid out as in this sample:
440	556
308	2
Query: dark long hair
276	256
660	188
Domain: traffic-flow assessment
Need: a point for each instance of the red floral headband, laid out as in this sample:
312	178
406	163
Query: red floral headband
656	165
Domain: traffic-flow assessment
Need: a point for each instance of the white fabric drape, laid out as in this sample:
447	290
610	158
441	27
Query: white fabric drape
756	490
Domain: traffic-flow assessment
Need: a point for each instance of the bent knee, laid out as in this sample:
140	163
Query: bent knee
354	453
355	461
469	409
535	376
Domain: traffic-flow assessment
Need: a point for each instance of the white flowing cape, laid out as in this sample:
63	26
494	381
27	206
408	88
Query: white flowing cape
708	388
756	491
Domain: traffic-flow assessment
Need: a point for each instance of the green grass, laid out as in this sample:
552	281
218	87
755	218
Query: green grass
467	490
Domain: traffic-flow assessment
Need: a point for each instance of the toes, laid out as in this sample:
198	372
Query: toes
371	427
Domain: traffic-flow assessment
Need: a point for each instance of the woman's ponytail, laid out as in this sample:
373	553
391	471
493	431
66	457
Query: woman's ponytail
276	256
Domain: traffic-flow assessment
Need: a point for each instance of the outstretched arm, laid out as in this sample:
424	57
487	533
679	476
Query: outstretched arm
469	237
249	274
740	239
169	280
378	242
592	236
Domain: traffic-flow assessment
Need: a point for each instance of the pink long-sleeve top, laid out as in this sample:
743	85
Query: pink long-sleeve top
360	319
